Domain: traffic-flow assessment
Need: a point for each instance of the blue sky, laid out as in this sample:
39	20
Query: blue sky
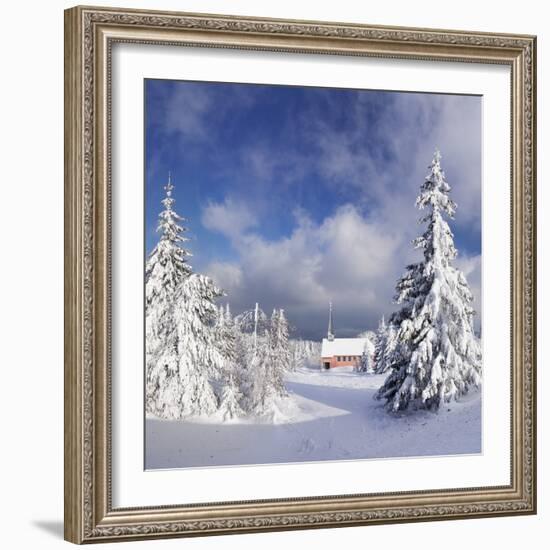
296	196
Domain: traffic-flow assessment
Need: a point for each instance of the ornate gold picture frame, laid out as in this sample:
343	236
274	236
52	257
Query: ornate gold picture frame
90	34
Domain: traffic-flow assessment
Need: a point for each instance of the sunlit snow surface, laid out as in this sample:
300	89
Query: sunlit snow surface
330	415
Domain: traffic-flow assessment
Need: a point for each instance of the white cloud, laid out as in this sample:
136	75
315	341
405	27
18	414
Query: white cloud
189	109
185	112
227	275
355	256
230	218
345	259
391	166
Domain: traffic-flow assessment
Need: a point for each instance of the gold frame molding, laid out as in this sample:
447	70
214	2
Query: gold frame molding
89	35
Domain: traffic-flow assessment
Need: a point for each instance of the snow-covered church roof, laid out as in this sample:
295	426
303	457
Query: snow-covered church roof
343	346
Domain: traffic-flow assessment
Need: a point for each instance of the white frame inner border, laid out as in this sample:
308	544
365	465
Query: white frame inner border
132	486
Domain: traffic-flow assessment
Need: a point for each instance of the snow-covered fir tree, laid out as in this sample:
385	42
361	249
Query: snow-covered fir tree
268	367
267	386
230	401
200	357
236	346
193	354
163	388
366	362
380	343
253	321
383	359
244	344
279	340
225	340
167	266
251	329
304	353
437	357
231	375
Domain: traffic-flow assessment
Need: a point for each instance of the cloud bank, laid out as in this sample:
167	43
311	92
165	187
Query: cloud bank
312	200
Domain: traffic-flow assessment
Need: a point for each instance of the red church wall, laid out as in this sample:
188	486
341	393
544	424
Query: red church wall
340	361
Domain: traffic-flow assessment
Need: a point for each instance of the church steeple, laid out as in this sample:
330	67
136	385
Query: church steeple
330	333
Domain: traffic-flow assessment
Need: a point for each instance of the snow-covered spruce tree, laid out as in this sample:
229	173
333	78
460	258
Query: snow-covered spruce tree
243	347
230	376
384	360
166	266
304	353
192	358
252	326
366	362
380	343
279	340
163	389
165	269
437	357
268	367
253	321
230	405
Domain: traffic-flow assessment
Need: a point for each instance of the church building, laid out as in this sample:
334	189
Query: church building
340	352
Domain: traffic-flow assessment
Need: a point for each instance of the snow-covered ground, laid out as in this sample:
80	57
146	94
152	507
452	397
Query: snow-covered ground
330	415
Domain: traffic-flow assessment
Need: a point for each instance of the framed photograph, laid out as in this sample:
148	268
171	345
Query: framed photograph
300	274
